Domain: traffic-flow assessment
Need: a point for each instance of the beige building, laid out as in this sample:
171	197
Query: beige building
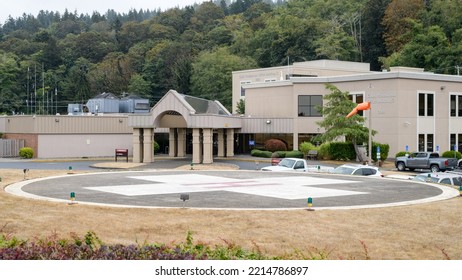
411	108
70	136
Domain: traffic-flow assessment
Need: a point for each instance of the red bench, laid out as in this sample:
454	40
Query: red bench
121	153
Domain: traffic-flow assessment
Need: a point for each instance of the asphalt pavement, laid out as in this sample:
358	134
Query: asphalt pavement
162	184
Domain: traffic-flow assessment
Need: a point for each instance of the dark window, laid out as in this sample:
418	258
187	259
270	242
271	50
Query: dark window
421	104
426	104
429	142
307	105
358	172
459	99
421	142
445	181
459	143
453	105
452	138
429	104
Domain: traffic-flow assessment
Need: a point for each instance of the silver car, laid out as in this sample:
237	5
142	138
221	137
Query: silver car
358	169
440	177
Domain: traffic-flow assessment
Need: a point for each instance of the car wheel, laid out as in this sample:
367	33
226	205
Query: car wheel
401	166
460	165
434	168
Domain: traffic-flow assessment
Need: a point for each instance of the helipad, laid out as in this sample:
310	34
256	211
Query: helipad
231	190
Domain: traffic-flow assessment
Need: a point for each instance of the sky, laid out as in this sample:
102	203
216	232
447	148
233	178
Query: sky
16	8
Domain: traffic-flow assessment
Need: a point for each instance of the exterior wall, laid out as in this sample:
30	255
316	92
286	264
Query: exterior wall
270	102
67	124
83	145
70	136
31	140
317	68
394	106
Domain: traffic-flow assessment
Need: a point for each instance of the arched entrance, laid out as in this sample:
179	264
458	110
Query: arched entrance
185	117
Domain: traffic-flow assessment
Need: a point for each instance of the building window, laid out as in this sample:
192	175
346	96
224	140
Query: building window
421	142
426	143
242	89
430	105
307	105
455	105
426	104
459	98
452	138
429	142
452	105
358	99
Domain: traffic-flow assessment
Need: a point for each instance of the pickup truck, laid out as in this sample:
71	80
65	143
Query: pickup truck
425	160
296	164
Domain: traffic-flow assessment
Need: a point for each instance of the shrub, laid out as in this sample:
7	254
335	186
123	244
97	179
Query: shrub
305	147
294	154
384	149
401	154
342	151
26	152
279	154
450	154
156	147
90	247
274	145
323	151
260	153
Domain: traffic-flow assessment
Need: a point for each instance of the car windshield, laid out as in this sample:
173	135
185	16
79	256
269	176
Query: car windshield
343	170
289	163
425	178
457	181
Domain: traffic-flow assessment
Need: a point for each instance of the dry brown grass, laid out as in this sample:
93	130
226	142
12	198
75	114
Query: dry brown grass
427	231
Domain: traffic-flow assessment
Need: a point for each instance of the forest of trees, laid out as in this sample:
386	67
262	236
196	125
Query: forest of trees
70	57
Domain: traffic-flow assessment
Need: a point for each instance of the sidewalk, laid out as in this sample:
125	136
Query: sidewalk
387	166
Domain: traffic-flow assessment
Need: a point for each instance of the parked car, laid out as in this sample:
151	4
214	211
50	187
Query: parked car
446	178
358	169
425	160
297	164
459	163
288	164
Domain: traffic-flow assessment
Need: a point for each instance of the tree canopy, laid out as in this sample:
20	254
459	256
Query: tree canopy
149	52
336	107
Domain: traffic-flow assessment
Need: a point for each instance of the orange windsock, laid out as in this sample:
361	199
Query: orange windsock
353	112
364	106
360	107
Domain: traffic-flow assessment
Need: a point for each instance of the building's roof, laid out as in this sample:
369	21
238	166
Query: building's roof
105	95
204	106
132	96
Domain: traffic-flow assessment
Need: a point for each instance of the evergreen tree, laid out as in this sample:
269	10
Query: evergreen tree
336	107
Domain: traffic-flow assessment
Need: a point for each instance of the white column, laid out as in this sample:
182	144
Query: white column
148	147
208	145
171	143
197	151
295	140
136	145
181	142
221	143
229	142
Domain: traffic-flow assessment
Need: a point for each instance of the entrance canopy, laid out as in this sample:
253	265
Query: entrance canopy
179	113
177	110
